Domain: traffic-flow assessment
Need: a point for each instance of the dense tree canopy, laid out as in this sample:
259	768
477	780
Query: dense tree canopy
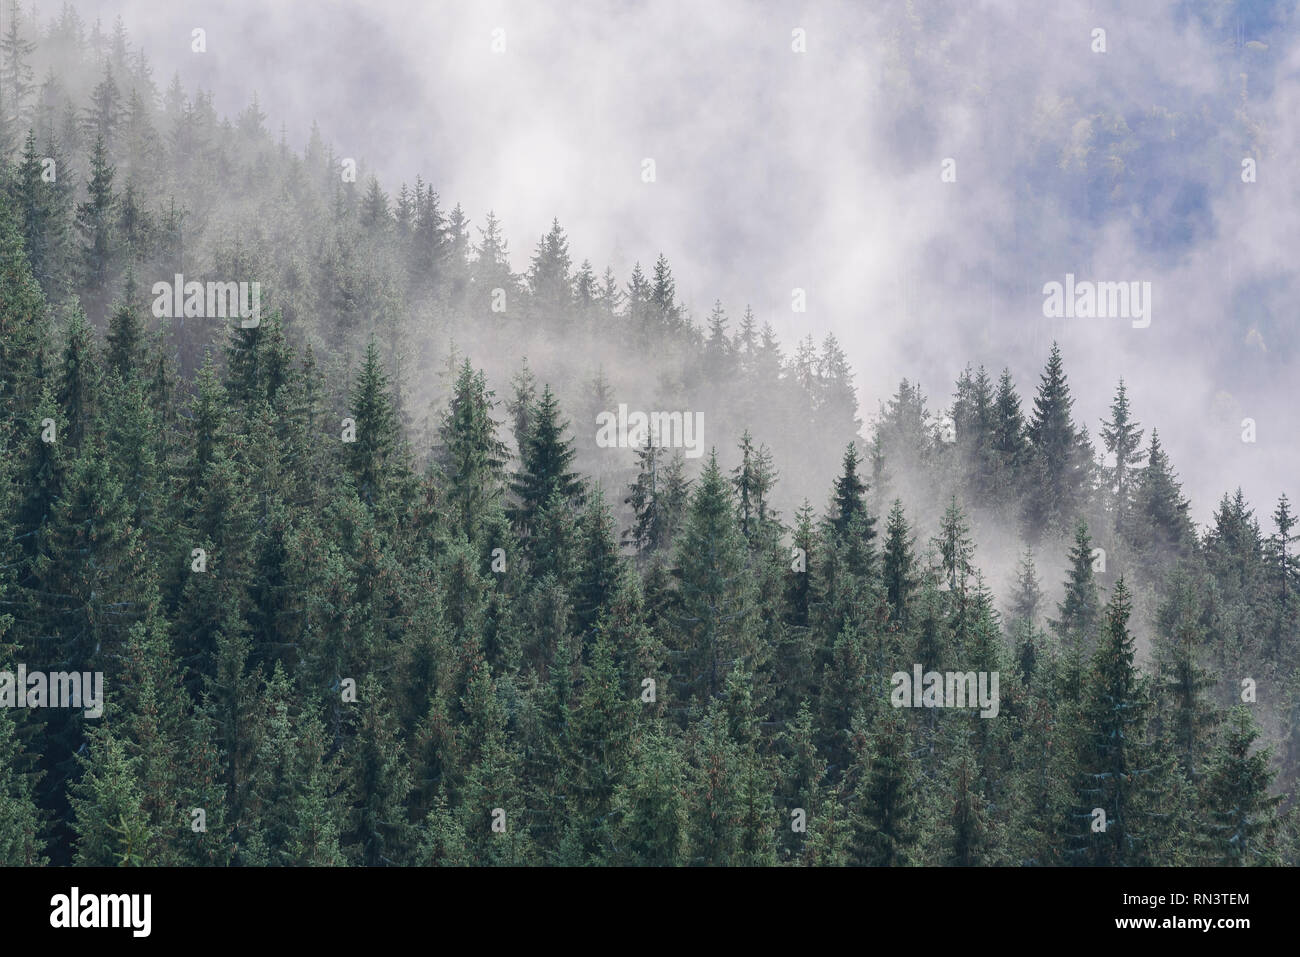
358	610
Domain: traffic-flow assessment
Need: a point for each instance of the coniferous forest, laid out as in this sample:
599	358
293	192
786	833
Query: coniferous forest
366	587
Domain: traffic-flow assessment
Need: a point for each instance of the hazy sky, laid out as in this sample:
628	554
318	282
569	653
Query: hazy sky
821	170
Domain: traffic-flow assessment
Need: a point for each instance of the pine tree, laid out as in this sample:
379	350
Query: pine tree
95	220
1008	444
520	406
649	530
105	111
378	773
753	480
650	806
549	279
491	268
884	811
1057	493
717	600
899	565
837	401
600	751
1042	766
715	804
41	214
1114	773
802	587
600	568
970	842
429	243
585	291
1284	565
21	839
955	548
1241	822
378	458
230	707
972	417
1161	530
663	296
1026	636
472	458
717	346
16	74
1123	439
544	470
491	780
1080	612
23	325
375	215
125	349
79	378
675	495
109	819
1188	719
849	496
801	783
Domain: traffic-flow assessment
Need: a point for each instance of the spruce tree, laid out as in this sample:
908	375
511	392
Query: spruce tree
1161	530
849	496
955	548
1080	612
649	526
1114	759
520	405
545	468
472	458
377	458
21	839
1123	439
884	812
650	805
899	564
96	218
1241	818
125	349
1057	493
717	600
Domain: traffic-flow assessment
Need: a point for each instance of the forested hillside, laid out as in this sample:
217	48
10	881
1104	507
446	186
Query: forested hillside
366	588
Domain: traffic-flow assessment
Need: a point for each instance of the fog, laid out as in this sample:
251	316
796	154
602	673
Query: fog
821	170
